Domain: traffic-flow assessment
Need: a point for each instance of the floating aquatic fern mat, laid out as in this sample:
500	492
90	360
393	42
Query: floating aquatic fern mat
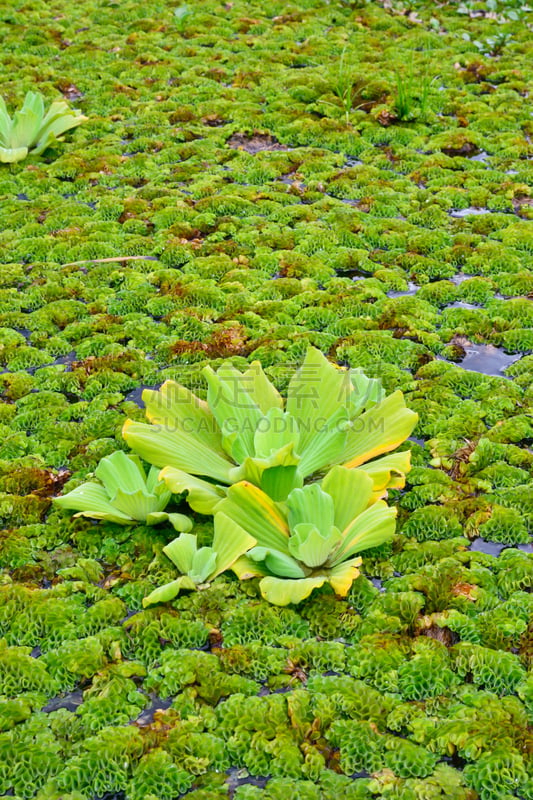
266	400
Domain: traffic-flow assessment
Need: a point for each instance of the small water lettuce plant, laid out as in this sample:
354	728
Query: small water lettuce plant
200	565
31	128
124	494
310	540
246	432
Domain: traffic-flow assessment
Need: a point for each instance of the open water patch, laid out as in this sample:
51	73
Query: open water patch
412	288
488	359
472	211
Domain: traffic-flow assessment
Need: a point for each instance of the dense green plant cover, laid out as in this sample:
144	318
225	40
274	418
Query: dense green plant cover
258	197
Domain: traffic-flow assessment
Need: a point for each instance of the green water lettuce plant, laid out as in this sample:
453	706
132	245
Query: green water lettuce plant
246	432
124	494
31	128
199	565
310	540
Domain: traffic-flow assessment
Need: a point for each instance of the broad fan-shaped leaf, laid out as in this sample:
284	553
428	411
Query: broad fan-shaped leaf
373	527
181	551
313	505
165	448
350	491
277	561
202	496
91	500
179	410
282	592
230	541
312	547
343	575
379	430
254	511
163	594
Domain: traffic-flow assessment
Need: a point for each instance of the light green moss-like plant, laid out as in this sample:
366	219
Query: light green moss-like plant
31	128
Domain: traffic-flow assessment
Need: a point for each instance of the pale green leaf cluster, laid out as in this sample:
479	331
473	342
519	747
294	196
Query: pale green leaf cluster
31	128
124	494
295	487
199	565
245	431
310	540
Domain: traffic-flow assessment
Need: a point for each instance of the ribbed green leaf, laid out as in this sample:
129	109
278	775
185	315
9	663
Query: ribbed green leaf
138	504
324	448
261	390
180	522
312	547
119	471
254	511
350	491
203	564
234	409
277	562
165	448
378	431
373	527
274	431
91	500
202	496
181	551
252	469
278	482
58	119
169	591
311	504
230	541
25	128
366	392
175	407
246	568
316	396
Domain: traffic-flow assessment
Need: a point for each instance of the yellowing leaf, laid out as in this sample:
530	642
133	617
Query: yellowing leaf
254	511
379	430
281	592
343	575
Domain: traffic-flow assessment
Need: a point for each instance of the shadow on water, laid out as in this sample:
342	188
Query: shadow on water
481	545
146	717
135	396
462	304
70	701
240	777
460	277
469	212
